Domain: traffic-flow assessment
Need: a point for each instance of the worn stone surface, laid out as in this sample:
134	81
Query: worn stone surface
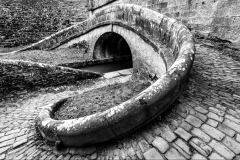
197	132
238	137
184	146
152	154
225	129
169	136
161	144
211	74
201	146
194	121
214	133
215	116
232	125
183	134
186	126
215	156
198	157
221	149
232	144
212	122
174	154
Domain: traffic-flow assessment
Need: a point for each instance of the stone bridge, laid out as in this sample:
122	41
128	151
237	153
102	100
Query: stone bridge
160	47
120	30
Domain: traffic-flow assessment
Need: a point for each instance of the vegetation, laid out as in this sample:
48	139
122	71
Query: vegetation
27	21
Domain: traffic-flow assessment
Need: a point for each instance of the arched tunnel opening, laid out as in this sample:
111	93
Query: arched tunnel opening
113	53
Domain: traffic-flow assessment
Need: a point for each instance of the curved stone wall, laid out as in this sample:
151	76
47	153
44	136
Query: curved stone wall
171	41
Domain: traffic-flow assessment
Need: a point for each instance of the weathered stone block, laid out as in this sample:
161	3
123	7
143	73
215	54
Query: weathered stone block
184	146
214	133
201	134
215	156
222	150
212	122
232	125
182	133
215	116
169	136
186	126
232	144
152	154
161	144
194	121
226	130
174	154
201	147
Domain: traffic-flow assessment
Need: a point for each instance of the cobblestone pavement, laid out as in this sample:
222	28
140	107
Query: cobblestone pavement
204	122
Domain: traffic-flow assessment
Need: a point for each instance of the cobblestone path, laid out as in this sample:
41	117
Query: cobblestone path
204	122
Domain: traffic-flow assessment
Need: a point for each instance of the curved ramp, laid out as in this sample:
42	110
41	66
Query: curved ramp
160	46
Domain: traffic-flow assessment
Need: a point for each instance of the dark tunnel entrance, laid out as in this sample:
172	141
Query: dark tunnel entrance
112	50
111	45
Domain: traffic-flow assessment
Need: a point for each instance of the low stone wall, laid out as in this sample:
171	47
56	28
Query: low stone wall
23	75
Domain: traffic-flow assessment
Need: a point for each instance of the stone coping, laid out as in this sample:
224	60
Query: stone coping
135	112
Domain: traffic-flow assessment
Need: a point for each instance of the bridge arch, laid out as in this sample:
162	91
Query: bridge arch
110	45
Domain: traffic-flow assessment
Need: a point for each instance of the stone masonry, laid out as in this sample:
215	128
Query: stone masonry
203	123
210	18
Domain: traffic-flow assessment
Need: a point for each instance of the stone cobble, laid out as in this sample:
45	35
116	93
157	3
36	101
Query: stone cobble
203	123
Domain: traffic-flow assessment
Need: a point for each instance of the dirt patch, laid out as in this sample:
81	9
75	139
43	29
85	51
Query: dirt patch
99	100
